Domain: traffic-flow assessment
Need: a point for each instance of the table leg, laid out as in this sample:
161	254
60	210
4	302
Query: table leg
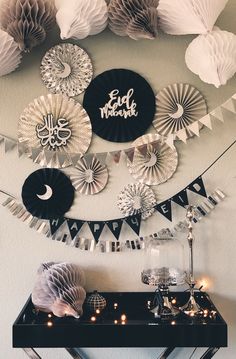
31	353
166	353
74	353
209	353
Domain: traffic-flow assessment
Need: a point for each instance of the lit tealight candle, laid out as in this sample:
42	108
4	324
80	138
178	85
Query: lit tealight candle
173	301
173	322
115	321
123	323
49	324
123	317
49	315
93	319
115	305
98	311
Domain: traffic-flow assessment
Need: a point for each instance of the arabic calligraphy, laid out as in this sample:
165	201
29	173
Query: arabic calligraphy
120	106
53	135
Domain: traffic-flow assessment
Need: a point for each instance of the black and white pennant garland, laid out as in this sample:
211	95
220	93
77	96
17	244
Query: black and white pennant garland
67	230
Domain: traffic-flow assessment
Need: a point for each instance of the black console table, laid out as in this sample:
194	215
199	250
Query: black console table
125	322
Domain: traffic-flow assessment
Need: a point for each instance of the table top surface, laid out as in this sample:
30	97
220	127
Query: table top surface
140	329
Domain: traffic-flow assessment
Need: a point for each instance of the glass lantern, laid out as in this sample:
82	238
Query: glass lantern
164	267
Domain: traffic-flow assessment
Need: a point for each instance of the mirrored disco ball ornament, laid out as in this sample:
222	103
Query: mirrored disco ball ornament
95	302
164	267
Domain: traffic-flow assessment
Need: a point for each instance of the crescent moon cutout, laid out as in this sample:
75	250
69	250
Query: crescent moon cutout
178	113
47	195
66	71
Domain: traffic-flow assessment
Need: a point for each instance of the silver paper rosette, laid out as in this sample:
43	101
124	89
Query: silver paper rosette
53	128
136	198
177	107
156	164
89	178
66	69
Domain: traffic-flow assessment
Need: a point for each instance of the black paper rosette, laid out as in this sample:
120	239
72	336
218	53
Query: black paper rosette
120	104
47	193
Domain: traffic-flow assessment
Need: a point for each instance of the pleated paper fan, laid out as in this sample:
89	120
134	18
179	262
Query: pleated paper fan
56	124
177	107
89	178
47	193
157	165
137	198
66	69
120	104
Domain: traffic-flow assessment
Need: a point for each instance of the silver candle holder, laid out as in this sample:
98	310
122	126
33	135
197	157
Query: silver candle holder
191	308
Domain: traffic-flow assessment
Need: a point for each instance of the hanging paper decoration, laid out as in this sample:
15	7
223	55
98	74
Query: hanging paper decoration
165	209
58	231
178	109
27	21
81	18
120	104
136	19
10	54
54	124
213	57
74	225
66	69
115	227
59	289
183	17
134	222
89	178
47	193
96	229
156	164
136	198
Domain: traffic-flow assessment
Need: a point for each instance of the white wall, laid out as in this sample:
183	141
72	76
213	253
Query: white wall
22	249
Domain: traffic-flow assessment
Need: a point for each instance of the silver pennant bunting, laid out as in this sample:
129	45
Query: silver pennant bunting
9	144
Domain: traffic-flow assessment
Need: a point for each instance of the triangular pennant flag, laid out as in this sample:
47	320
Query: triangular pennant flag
22	149
234	103
182	135
55	224
142	149
194	128
130	154
134	222
89	158
35	153
64	159
74	226
49	157
102	157
75	158
9	144
170	140
217	113
165	209
181	198
116	156
197	186
115	227
206	121
96	229
229	105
